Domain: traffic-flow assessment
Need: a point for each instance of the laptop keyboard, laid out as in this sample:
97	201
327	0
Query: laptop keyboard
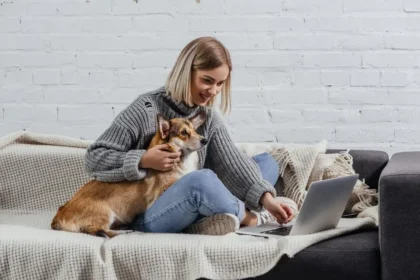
279	231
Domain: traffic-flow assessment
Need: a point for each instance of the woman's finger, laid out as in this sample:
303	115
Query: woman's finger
162	147
174	155
168	161
288	210
282	213
168	166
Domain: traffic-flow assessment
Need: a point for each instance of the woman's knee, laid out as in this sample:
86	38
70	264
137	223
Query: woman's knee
202	178
268	166
203	181
203	173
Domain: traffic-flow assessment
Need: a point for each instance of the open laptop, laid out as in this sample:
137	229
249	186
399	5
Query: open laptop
321	210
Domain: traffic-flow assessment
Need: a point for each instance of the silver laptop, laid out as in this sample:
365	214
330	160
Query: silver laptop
321	210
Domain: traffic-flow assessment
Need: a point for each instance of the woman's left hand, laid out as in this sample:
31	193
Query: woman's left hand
281	212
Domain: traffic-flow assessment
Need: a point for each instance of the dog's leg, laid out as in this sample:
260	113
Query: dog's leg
95	230
112	233
121	231
103	232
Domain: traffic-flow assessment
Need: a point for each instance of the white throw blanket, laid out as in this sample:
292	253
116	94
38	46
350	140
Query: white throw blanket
43	171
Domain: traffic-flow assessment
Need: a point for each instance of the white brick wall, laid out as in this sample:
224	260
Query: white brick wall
344	70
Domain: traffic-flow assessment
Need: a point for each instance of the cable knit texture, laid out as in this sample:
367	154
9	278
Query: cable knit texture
116	154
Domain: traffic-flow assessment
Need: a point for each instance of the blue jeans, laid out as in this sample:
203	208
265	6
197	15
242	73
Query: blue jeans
197	194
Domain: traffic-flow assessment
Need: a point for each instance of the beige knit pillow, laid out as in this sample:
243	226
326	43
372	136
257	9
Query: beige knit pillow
322	163
328	166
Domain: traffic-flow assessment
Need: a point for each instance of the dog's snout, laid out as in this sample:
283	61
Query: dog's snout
204	141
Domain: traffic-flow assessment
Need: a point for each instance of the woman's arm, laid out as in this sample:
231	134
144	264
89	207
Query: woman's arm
237	171
112	157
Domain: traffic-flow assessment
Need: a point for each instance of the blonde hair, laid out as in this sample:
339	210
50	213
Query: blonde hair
204	53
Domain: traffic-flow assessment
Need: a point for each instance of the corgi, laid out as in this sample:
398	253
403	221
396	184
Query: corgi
101	208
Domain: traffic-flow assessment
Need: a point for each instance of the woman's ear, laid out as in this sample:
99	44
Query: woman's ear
164	126
198	119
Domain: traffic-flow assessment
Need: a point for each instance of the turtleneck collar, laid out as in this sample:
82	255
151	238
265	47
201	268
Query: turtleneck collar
178	106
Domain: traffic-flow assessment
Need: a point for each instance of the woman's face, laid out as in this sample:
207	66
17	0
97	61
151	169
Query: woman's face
206	84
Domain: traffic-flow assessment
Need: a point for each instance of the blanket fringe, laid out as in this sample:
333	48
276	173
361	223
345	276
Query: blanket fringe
291	189
364	197
283	158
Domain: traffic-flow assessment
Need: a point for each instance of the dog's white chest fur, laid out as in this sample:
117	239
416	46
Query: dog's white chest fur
189	164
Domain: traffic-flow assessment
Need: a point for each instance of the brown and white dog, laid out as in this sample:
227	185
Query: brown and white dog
100	208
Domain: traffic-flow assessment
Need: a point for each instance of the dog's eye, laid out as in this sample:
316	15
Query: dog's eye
184	133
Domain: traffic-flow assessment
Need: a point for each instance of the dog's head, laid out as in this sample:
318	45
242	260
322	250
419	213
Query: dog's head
181	133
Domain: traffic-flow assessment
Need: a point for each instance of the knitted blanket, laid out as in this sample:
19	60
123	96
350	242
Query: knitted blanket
41	172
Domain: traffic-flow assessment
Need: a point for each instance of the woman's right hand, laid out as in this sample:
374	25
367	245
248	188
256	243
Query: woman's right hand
159	158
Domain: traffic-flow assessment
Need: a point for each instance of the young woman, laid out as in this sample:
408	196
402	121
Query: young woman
228	189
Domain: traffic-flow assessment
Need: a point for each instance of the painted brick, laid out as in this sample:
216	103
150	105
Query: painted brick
46	77
299	96
335	78
347	71
370	134
331	60
304	135
358	96
394	79
365	78
32	113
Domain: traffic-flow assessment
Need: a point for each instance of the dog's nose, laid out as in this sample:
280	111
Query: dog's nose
204	141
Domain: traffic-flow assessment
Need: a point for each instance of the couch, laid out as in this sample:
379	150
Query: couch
387	254
393	251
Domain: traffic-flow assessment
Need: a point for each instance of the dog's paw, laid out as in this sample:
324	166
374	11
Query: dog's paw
123	231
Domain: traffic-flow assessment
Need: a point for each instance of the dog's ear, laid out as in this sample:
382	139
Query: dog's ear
198	119
164	126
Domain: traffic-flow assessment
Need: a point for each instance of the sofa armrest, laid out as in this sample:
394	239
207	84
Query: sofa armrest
399	217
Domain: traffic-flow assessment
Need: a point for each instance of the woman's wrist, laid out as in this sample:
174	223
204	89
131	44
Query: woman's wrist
267	196
143	162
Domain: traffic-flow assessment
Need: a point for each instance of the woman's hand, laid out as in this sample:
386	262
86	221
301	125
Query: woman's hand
159	158
281	212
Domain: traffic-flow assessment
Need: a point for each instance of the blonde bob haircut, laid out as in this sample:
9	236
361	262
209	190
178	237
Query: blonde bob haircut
204	53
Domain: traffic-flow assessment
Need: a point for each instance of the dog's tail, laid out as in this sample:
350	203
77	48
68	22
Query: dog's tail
62	221
56	225
56	222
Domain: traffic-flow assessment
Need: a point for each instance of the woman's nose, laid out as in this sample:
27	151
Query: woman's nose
214	90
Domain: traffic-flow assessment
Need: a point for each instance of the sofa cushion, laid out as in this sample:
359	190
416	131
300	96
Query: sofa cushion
354	256
368	164
29	249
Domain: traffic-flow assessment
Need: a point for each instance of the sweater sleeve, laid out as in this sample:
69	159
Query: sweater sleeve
111	157
237	171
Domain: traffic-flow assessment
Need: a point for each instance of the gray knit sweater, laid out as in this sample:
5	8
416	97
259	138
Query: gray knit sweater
116	154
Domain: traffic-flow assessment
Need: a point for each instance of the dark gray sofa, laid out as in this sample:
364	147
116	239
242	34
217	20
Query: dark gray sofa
393	252
399	217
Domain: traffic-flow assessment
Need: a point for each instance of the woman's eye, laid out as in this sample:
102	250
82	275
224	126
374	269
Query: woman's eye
184	133
207	81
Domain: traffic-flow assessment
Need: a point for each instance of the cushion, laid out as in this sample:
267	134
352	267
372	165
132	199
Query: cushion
329	166
354	256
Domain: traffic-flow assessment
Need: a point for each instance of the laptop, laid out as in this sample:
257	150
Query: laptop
321	210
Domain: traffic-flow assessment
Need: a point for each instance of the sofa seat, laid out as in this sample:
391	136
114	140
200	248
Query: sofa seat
354	256
29	251
332	259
